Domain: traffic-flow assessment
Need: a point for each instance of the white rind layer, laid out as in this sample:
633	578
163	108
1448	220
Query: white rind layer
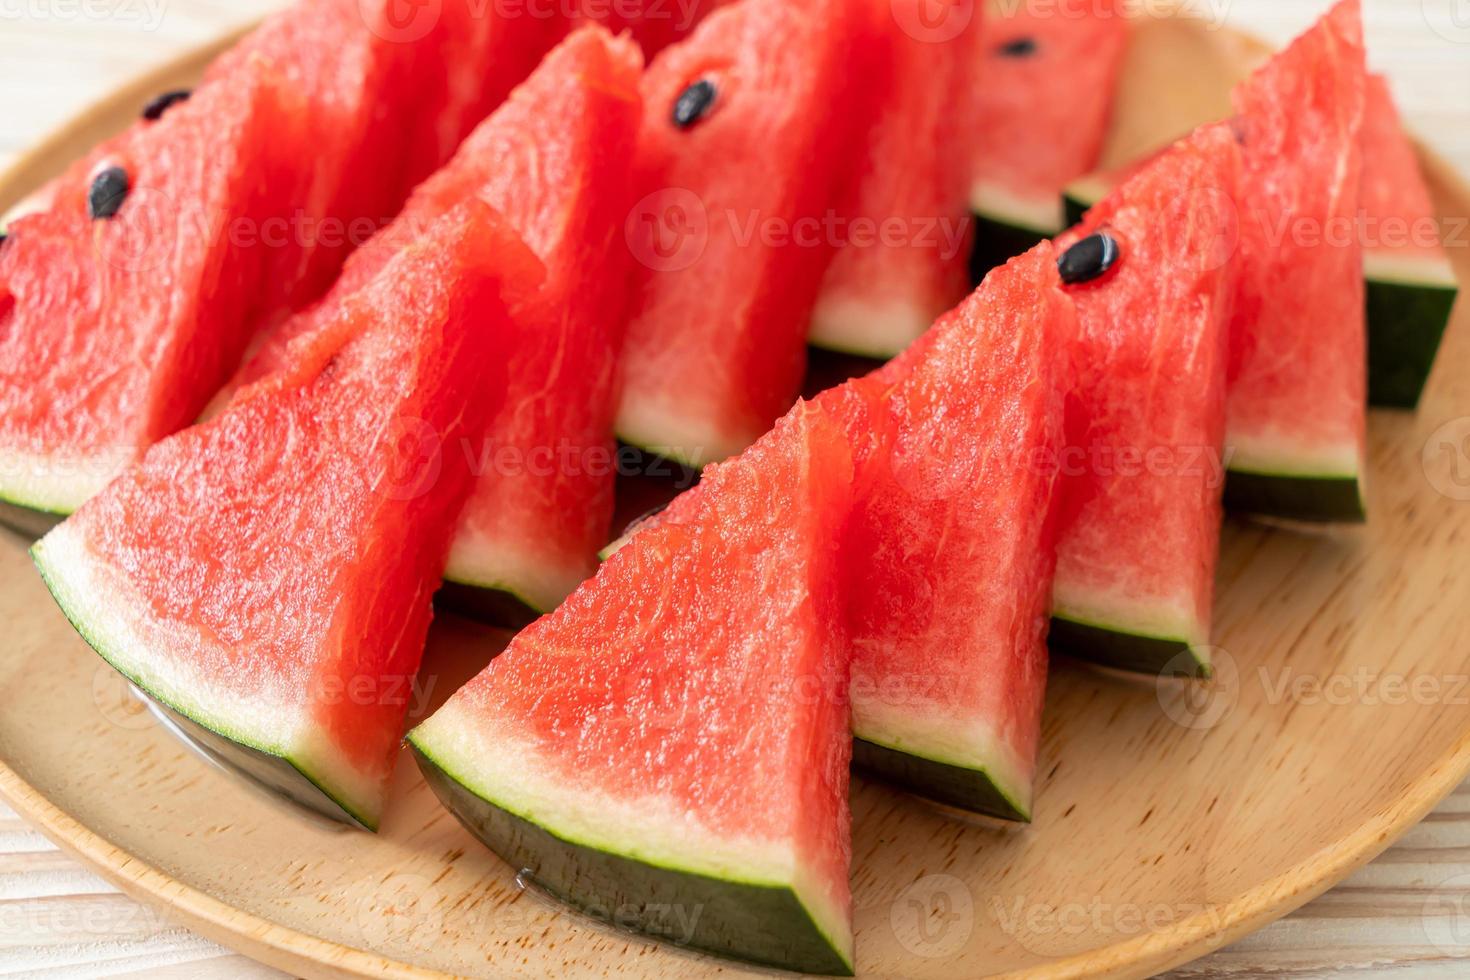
58	484
1116	610
507	771
967	743
482	563
1281	455
857	326
1410	269
996	203
673	432
171	662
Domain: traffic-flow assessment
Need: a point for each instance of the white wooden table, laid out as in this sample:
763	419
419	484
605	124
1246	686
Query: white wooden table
1405	915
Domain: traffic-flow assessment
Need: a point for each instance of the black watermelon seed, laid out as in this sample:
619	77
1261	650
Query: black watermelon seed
643	518
3	237
162	102
1088	259
1021	47
109	190
693	104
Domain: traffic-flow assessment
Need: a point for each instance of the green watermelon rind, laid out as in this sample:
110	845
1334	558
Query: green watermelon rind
975	788
1121	648
256	760
1408	302
567	867
1306	497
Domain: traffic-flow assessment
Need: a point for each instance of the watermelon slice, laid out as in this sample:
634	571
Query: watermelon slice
954	526
267	575
954	447
1136	555
1045	81
728	266
390	91
1297	439
555	160
129	321
671	744
215	226
901	259
1411	284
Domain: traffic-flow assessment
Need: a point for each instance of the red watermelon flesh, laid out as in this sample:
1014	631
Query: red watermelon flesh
728	263
902	255
267	575
1044	85
115	331
223	227
391	88
676	733
1136	556
1393	189
653	24
1296	410
955	446
554	159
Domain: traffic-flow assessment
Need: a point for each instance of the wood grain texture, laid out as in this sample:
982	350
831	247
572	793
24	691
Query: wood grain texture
1253	797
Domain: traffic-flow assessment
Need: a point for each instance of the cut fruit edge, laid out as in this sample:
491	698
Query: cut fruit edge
651	830
96	602
502	568
1115	631
1041	215
1428	270
680	437
52	485
855	326
968	749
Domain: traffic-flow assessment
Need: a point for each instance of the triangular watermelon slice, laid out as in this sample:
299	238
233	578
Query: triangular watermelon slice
555	160
749	125
1296	448
952	539
1045	80
1136	555
671	745
226	209
267	575
390	91
902	254
116	328
1411	285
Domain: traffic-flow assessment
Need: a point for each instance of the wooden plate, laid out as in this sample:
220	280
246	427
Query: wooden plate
1170	819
